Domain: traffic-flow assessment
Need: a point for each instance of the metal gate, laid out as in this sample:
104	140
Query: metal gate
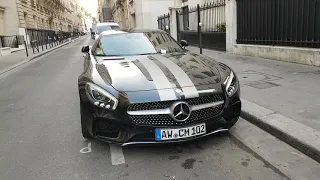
164	22
211	32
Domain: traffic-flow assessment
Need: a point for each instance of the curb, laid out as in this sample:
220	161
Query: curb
297	135
34	57
277	155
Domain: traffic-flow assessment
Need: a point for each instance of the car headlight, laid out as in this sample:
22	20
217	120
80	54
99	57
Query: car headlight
101	98
231	84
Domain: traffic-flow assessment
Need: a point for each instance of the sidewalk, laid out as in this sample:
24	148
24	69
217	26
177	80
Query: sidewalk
20	57
270	87
13	58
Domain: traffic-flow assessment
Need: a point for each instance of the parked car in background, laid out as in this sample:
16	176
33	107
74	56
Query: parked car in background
100	27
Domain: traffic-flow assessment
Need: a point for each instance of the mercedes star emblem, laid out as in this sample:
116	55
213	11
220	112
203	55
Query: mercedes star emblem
180	111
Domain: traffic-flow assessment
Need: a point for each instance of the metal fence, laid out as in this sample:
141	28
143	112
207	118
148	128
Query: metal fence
212	17
203	25
164	22
279	22
45	39
11	41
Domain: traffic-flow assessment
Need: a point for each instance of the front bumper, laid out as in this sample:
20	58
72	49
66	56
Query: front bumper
181	140
117	127
147	135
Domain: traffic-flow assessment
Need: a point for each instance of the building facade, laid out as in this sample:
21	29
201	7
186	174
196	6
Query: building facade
104	11
113	10
138	13
120	12
64	15
55	15
146	12
9	21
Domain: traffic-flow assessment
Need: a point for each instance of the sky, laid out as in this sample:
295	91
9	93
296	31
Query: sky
90	6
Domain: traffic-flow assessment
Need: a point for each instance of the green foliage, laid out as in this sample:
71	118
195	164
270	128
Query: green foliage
221	27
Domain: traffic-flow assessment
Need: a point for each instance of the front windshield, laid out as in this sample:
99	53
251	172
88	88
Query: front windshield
136	44
100	29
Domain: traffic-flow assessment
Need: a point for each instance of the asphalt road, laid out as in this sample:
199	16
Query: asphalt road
40	136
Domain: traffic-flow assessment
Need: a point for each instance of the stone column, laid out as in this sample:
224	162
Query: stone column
173	22
231	24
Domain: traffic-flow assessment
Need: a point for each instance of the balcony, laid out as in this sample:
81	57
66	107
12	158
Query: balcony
32	3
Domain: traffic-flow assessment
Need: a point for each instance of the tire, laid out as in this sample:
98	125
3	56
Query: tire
85	116
231	123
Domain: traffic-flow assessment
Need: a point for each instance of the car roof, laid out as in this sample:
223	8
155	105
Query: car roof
130	30
138	30
110	32
108	24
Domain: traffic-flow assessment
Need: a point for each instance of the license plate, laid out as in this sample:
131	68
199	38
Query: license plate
180	133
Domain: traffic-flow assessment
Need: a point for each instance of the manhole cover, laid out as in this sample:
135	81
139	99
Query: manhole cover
248	77
253	77
263	85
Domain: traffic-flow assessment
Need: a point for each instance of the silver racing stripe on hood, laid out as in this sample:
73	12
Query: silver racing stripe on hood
142	69
187	86
160	80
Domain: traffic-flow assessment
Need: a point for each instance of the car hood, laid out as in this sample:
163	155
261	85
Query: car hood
161	71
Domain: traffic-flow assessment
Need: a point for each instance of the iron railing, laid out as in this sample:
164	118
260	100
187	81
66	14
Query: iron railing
11	41
279	22
212	16
44	39
203	25
164	22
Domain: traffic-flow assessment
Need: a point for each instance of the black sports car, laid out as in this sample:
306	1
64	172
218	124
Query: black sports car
141	86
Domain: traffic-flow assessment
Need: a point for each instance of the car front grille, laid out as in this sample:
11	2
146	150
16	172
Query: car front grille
166	120
166	104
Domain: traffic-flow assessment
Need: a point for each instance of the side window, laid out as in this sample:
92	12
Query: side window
99	50
94	46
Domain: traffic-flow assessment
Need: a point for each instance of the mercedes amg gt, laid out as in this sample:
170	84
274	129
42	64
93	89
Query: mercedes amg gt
142	86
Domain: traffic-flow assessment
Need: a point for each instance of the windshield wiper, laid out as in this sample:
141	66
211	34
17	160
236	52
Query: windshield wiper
148	53
113	58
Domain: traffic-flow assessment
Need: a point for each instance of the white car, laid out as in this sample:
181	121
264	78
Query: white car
105	27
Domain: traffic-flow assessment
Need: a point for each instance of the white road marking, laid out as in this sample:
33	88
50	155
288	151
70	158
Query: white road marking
117	156
86	149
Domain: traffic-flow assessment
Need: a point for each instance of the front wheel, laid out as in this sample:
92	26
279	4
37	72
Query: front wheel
85	116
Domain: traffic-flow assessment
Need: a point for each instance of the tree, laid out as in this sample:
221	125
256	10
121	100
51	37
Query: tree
87	14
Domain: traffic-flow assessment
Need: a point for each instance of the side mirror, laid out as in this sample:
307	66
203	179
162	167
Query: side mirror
93	33
183	43
85	49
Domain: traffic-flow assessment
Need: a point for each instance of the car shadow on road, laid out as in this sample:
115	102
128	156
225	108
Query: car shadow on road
192	146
